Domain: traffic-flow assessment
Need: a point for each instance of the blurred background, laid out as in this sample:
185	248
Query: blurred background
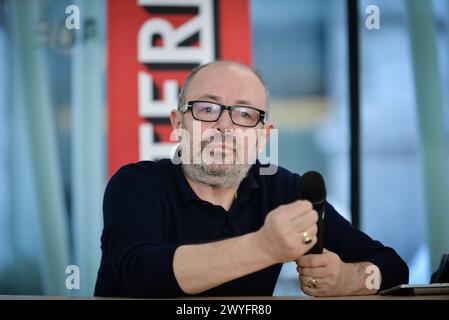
53	128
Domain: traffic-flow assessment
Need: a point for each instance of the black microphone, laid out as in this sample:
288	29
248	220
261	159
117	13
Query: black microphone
313	189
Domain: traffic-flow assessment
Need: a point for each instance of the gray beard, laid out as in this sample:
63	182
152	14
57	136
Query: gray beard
224	177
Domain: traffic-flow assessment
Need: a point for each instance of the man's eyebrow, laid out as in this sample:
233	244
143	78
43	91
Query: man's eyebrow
244	102
218	99
210	96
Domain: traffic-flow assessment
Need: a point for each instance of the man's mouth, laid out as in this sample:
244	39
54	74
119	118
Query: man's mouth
220	146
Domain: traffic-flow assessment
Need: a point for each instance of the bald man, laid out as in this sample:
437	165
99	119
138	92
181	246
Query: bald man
212	224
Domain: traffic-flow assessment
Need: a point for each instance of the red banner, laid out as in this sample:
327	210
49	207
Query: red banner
152	46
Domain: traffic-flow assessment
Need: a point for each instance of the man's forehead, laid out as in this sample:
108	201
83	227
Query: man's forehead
226	71
224	82
224	94
219	98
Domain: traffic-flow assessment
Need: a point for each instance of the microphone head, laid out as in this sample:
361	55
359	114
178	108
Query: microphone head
313	187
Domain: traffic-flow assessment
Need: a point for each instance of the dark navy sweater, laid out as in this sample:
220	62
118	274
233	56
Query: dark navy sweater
150	210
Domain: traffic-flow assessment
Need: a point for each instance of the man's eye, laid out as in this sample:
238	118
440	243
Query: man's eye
245	115
206	110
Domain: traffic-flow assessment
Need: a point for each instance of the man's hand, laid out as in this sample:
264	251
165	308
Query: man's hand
326	275
282	235
280	239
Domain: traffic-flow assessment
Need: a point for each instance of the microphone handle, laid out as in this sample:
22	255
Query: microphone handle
318	247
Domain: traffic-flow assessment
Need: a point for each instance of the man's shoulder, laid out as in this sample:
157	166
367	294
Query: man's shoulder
147	165
152	170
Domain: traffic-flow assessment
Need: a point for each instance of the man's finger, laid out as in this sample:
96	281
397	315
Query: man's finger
310	285
298	208
305	221
319	272
313	261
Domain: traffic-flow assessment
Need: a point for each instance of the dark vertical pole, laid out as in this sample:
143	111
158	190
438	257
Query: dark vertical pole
354	114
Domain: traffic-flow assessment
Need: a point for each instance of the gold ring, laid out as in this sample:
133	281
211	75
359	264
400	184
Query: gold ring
306	238
312	284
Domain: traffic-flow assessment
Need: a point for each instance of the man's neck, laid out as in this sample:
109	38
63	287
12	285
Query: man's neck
215	195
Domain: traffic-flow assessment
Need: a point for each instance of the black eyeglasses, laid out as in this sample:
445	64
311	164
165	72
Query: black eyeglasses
210	112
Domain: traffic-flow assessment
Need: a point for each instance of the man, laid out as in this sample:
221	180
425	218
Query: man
220	227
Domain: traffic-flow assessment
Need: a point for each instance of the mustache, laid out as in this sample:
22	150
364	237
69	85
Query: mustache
228	141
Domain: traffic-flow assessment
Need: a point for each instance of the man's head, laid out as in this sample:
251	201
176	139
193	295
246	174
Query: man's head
183	99
222	159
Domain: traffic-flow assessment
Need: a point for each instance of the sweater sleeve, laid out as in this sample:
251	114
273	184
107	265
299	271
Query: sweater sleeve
132	238
352	245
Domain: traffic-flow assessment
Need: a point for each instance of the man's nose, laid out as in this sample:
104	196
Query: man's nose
224	122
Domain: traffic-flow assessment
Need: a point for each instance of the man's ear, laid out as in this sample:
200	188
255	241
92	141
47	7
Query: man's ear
175	119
